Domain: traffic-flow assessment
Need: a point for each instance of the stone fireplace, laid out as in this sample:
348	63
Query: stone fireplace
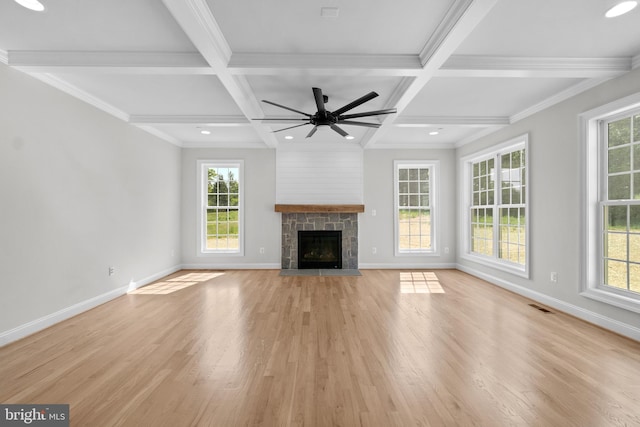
342	218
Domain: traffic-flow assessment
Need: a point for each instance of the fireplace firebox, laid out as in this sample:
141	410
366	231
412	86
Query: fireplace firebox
320	249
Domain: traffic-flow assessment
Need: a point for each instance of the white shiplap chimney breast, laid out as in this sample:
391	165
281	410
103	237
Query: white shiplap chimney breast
319	173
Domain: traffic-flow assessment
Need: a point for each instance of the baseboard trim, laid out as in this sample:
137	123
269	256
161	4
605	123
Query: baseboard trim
263	266
604	322
399	266
44	322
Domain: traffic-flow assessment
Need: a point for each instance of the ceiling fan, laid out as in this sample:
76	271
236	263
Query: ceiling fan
323	117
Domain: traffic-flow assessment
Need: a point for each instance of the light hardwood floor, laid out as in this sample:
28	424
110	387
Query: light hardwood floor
388	348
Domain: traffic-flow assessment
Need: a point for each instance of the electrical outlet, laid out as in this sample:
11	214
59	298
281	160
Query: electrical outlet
554	277
262	251
446	250
112	271
373	212
374	250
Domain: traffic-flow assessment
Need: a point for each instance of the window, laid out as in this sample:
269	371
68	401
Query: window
621	202
611	214
414	206
495	183
220	207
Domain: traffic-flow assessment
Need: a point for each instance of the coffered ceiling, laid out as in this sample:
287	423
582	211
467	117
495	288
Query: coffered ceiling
462	68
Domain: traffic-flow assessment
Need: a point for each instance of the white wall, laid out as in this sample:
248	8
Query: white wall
555	206
79	191
319	173
378	231
262	223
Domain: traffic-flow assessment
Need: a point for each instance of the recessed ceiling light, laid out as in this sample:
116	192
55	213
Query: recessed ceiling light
350	137
435	132
31	4
288	137
621	8
205	132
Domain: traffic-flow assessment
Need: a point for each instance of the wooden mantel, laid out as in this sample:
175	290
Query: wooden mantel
320	208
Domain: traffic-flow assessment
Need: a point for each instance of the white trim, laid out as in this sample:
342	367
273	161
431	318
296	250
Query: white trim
412	266
464	175
579	312
202	201
434	202
159	134
232	266
590	216
44	322
76	92
559	97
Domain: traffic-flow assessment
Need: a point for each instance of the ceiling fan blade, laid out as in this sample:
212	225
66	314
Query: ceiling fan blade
315	128
291	127
355	103
340	131
317	94
365	124
368	113
283	119
286	108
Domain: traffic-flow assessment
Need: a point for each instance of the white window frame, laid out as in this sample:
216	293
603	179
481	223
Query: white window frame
593	177
466	164
434	179
203	168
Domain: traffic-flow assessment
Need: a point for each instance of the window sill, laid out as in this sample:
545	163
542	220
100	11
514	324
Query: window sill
503	266
611	298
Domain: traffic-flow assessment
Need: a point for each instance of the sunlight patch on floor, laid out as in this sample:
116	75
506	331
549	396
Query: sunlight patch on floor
420	282
177	283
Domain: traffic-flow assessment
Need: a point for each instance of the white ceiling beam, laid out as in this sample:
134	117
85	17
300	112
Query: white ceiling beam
208	120
466	121
197	21
499	66
459	21
324	64
109	62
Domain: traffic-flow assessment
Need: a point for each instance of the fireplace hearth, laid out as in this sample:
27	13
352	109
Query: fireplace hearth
319	249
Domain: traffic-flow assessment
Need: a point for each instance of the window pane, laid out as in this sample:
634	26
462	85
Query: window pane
620	187
619	159
414	187
636	157
424	174
636	186
636	128
616	218
634	277
424	200
403	200
620	132
403	174
616	246
634	218
616	274
414	201
403	187
414	175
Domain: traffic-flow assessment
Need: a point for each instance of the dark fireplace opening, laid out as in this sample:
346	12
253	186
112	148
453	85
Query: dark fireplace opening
319	249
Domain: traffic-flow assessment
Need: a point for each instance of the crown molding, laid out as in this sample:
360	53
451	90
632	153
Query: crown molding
158	133
500	66
559	97
483	132
109	62
225	145
76	92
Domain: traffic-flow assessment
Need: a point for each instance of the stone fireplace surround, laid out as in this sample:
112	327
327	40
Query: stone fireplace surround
319	217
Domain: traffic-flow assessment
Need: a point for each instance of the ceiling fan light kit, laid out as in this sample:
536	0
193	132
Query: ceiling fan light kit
332	119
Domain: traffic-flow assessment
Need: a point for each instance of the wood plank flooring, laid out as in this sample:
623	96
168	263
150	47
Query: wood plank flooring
388	348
